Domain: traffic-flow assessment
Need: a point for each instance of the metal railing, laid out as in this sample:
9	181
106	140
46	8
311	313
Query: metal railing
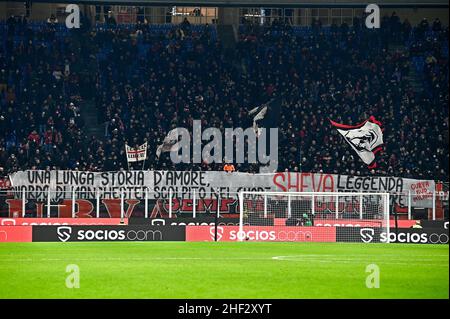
147	202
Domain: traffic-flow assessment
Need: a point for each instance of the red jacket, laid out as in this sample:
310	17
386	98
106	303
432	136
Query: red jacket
34	137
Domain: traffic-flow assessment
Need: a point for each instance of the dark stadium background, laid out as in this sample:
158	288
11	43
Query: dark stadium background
120	87
72	101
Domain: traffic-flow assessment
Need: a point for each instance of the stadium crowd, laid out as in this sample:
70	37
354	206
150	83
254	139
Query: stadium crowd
146	80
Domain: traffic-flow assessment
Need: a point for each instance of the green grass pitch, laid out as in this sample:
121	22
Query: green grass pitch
223	270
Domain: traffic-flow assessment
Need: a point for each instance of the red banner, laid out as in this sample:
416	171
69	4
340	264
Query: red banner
60	221
15	234
261	233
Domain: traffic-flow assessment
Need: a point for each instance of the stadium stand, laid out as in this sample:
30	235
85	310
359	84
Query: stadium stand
147	79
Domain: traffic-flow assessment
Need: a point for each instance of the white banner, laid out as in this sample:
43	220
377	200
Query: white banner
159	183
136	154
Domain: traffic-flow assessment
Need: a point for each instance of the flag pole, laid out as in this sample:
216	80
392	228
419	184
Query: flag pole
126	154
145	157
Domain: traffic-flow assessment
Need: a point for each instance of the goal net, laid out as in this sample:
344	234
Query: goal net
314	217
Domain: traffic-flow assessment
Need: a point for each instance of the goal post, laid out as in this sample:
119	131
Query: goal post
314	216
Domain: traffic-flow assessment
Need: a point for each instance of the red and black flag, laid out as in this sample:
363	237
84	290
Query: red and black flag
366	138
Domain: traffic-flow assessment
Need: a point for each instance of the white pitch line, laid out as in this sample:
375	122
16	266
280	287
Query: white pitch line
353	257
298	258
132	259
395	257
290	258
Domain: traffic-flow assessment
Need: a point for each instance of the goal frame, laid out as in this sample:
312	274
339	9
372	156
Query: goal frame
385	196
